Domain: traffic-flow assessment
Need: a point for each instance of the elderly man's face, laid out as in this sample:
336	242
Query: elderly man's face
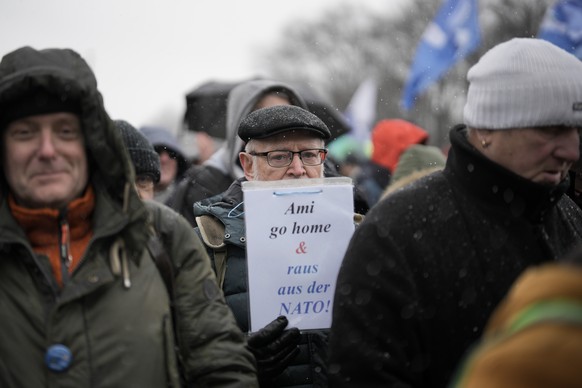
45	162
257	168
542	155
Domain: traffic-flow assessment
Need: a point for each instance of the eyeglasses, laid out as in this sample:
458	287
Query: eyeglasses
281	158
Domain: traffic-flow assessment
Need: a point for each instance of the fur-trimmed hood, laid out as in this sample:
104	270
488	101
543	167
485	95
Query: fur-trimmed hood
65	73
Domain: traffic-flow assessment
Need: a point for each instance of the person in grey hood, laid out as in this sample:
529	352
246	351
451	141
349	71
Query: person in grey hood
173	161
216	174
98	288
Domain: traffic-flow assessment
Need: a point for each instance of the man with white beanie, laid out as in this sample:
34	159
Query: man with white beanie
429	264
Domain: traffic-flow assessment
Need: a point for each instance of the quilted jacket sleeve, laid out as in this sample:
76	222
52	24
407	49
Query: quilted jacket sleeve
211	345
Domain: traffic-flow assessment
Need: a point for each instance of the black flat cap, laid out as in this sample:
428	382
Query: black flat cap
273	120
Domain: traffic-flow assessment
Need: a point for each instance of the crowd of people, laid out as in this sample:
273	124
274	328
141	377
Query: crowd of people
124	260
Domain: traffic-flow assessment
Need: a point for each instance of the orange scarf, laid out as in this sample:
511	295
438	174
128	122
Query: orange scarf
42	229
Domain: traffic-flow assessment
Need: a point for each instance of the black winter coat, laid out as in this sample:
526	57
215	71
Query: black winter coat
429	263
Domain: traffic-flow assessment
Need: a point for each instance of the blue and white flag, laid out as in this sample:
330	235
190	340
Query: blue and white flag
452	35
562	25
361	110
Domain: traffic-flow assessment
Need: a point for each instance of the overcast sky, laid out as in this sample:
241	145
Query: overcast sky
147	54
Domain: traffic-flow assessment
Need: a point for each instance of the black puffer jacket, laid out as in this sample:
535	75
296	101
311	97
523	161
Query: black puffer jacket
308	368
429	263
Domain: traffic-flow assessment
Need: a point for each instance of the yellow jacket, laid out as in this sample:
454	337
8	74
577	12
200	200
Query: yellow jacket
534	337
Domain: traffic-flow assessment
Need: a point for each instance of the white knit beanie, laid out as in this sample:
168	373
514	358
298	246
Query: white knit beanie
524	83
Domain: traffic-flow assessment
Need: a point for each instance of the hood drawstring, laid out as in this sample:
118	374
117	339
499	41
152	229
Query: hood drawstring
126	189
119	262
64	245
117	253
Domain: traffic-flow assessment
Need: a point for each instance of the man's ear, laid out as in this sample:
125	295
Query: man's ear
246	161
480	138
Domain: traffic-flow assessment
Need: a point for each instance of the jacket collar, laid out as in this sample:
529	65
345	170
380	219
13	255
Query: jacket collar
492	183
228	207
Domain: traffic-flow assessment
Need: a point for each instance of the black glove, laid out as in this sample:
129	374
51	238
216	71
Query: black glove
274	348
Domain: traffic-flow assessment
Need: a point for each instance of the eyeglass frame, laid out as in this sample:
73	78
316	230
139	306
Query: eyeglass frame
321	151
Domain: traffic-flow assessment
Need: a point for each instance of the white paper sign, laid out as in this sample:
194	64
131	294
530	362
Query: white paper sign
297	233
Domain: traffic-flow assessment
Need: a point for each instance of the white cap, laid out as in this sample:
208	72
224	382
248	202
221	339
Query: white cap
524	83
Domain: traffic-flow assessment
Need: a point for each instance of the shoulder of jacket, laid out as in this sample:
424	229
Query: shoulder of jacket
163	218
211	230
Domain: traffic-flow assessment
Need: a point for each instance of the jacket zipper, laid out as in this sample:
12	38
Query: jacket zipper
64	245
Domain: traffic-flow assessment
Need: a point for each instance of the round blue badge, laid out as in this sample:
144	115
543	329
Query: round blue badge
58	358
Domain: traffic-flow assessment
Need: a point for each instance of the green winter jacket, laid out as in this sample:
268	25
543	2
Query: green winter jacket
120	334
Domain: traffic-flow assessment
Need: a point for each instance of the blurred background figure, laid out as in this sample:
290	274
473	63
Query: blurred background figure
217	173
348	154
390	138
173	161
198	146
145	159
414	163
350	165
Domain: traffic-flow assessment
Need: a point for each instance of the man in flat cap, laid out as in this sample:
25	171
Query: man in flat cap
282	142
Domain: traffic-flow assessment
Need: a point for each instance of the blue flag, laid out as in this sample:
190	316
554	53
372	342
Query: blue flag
562	25
452	35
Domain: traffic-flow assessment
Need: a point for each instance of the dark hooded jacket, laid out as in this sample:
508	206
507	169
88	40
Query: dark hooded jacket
116	323
162	139
308	368
218	172
428	265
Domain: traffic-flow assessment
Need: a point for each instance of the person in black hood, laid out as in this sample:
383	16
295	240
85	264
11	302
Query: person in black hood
430	262
84	301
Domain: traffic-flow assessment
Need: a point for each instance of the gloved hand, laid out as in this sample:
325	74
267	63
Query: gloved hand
274	348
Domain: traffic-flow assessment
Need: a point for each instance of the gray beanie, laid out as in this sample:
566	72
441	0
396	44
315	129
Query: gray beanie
524	83
270	121
143	156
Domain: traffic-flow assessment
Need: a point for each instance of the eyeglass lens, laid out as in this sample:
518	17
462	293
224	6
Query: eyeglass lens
284	158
